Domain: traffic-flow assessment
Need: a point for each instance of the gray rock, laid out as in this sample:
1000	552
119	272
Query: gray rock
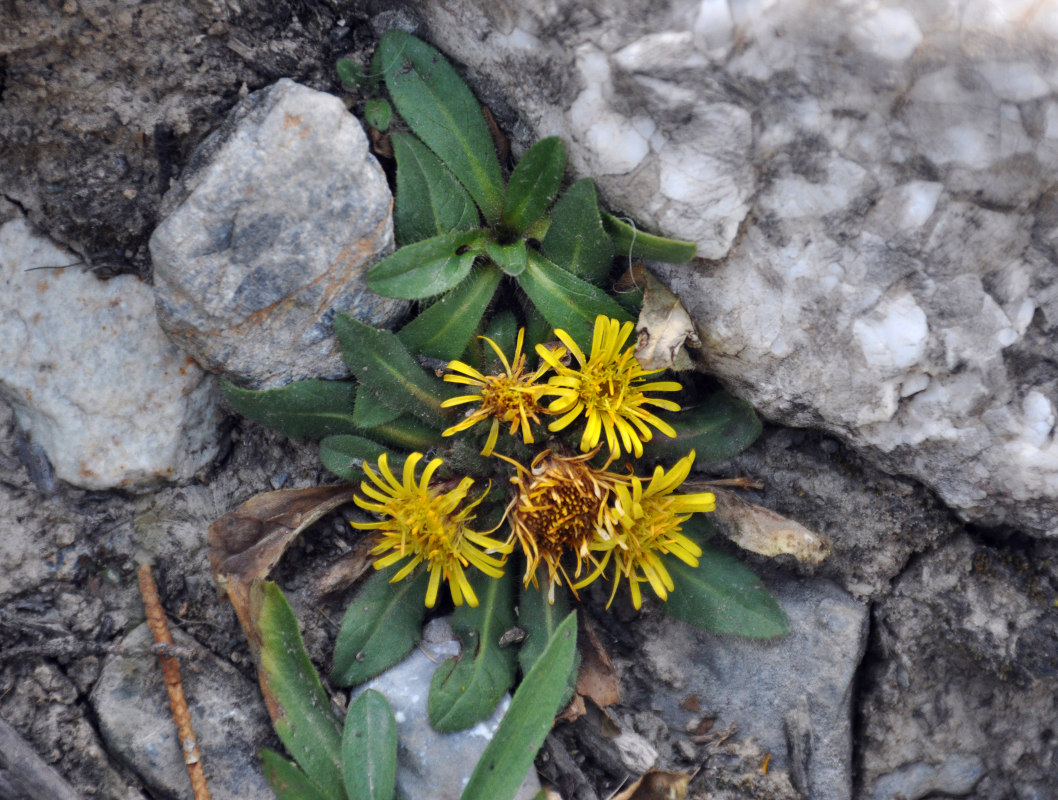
432	764
813	479
961	694
227	715
879	211
93	380
793	695
270	233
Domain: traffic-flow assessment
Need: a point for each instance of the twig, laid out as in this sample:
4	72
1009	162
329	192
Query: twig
171	671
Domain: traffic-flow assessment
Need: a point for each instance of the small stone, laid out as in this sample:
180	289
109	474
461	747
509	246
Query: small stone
432	764
227	714
92	378
270	234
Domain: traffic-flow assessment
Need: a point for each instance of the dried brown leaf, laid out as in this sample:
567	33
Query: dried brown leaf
597	679
762	531
245	544
657	785
345	570
663	327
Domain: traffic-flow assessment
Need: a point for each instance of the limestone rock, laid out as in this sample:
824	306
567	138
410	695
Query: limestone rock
281	213
793	695
873	185
227	715
92	378
432	764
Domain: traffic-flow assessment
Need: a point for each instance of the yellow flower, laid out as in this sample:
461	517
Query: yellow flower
607	389
643	523
512	396
422	523
559	508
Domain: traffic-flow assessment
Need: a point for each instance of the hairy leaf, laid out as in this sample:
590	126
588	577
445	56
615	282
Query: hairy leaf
465	690
534	183
721	427
509	756
378	113
370	411
723	595
566	301
428	267
287	781
381	626
576	239
369	748
443	330
350	73
634	243
306	408
511	258
429	201
384	367
344	455
442	111
297	702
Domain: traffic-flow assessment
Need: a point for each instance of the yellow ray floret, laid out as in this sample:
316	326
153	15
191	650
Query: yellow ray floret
510	397
608	389
644	523
424	523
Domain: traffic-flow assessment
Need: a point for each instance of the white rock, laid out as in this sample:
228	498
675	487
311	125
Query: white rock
890	33
92	377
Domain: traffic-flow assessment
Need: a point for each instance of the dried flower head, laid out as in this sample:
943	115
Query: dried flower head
608	389
645	522
423	523
510	397
558	509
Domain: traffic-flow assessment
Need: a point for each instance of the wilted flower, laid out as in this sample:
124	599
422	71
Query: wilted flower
608	389
425	524
558	509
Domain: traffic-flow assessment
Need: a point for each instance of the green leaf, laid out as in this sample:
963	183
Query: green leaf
350	73
378	113
384	366
429	201
427	268
407	433
381	626
723	595
511	258
443	330
509	755
566	301
305	724
721	427
370	411
503	330
534	183
306	408
539	618
440	109
344	455
465	691
287	781
634	243
369	748
576	239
